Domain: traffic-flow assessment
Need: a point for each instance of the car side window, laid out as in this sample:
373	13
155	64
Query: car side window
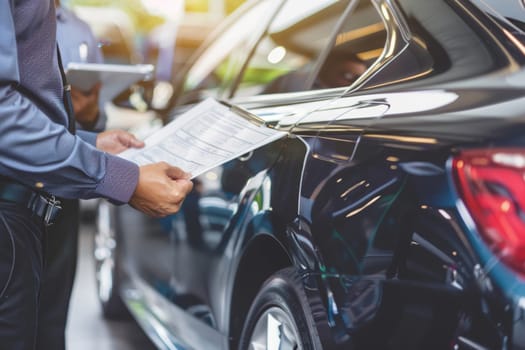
286	55
359	42
215	68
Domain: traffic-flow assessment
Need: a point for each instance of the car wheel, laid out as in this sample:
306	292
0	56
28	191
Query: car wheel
280	316
106	263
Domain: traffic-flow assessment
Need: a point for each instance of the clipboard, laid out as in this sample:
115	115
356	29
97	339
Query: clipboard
209	134
114	77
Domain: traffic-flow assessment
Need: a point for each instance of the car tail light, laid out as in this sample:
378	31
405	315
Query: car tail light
492	186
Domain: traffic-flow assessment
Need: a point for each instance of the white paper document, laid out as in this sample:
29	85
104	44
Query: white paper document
207	135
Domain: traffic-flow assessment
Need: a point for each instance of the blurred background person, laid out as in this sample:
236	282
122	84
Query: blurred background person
77	43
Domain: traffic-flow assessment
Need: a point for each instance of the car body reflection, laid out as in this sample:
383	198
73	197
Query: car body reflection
365	227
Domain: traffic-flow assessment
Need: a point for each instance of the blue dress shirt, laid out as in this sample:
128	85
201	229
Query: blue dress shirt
35	147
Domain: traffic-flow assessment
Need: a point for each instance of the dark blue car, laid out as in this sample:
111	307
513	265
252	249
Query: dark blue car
392	217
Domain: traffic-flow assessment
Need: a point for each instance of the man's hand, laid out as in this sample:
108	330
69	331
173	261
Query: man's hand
161	189
85	106
116	141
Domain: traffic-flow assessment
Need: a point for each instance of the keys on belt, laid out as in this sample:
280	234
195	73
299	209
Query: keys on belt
45	207
42	205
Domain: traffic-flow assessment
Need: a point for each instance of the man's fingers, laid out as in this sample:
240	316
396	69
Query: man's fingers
180	188
135	142
129	140
177	173
186	187
161	189
173	203
96	88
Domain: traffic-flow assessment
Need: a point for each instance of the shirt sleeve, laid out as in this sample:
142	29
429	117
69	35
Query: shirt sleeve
38	152
88	136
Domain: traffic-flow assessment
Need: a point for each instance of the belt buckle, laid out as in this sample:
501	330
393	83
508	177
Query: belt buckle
52	209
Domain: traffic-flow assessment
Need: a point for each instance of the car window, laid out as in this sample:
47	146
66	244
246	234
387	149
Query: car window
287	57
359	42
296	37
217	65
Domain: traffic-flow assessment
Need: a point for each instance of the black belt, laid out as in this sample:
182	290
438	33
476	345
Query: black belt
42	205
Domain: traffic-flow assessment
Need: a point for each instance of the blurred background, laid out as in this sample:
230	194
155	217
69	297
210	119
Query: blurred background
142	31
164	33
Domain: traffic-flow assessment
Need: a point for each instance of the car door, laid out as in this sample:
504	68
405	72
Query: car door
203	230
346	202
332	132
160	252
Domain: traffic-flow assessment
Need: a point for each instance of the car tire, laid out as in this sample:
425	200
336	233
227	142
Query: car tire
281	310
106	263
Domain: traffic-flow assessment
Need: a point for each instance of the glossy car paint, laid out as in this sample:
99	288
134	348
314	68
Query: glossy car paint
360	199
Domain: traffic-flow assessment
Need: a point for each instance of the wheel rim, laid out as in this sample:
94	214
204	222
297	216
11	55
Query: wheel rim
104	252
275	330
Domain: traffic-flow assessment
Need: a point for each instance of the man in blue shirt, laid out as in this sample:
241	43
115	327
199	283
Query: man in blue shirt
39	158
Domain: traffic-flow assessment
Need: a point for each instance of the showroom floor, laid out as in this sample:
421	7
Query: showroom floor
86	328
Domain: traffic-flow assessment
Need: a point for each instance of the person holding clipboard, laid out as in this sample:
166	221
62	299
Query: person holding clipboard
78	45
42	157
